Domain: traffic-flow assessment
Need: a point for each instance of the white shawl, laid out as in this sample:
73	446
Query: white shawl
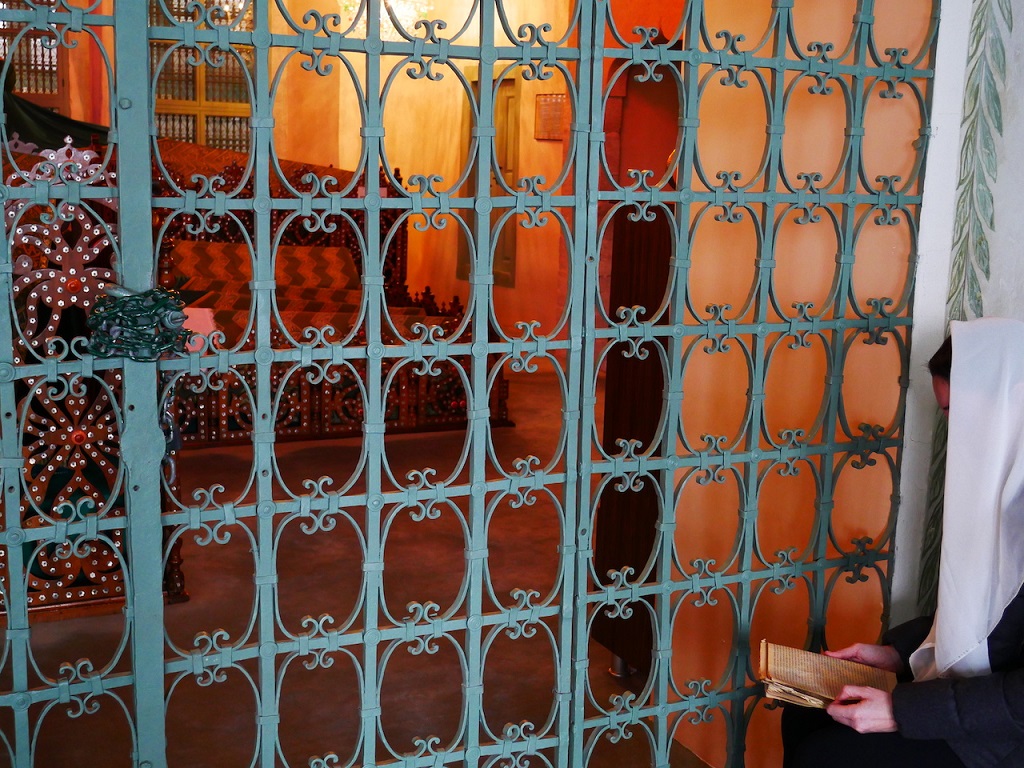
982	557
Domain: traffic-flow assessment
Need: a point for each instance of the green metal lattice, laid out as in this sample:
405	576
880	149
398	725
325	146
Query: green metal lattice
150	667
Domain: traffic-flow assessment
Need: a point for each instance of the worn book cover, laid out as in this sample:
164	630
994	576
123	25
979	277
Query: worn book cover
812	679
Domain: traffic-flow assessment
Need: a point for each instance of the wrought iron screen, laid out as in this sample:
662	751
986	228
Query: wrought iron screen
713	292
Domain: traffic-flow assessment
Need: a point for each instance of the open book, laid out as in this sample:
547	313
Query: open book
812	679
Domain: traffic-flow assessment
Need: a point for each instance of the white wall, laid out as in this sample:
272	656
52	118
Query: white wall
934	249
1004	292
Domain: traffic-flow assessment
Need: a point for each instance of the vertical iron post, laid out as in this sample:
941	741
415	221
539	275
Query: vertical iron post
142	441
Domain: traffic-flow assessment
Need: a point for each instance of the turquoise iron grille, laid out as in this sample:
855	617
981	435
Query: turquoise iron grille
51	388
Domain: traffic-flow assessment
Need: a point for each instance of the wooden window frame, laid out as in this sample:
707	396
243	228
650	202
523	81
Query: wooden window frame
58	100
200	108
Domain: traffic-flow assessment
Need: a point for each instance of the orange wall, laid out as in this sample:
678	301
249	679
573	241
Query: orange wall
425	124
319	121
732	135
307	106
89	79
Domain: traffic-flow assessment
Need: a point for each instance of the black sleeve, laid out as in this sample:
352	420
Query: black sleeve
985	707
906	637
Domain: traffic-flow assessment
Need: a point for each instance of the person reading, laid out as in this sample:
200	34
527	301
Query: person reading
960	699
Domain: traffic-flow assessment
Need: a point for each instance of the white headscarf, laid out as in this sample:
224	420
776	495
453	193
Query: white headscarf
982	558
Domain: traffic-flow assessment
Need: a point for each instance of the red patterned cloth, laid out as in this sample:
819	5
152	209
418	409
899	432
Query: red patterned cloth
315	286
182	160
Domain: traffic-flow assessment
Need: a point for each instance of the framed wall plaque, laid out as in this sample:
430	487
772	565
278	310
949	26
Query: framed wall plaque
551	119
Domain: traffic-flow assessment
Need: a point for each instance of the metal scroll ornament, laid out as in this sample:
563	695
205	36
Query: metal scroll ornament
141	326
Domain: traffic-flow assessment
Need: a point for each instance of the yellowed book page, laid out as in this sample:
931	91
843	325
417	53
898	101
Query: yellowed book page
785	693
819	675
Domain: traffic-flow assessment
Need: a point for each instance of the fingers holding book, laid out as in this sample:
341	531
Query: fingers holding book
877	656
812	679
865	709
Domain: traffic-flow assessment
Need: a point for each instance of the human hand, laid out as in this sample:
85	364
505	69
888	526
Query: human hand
866	710
879	656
